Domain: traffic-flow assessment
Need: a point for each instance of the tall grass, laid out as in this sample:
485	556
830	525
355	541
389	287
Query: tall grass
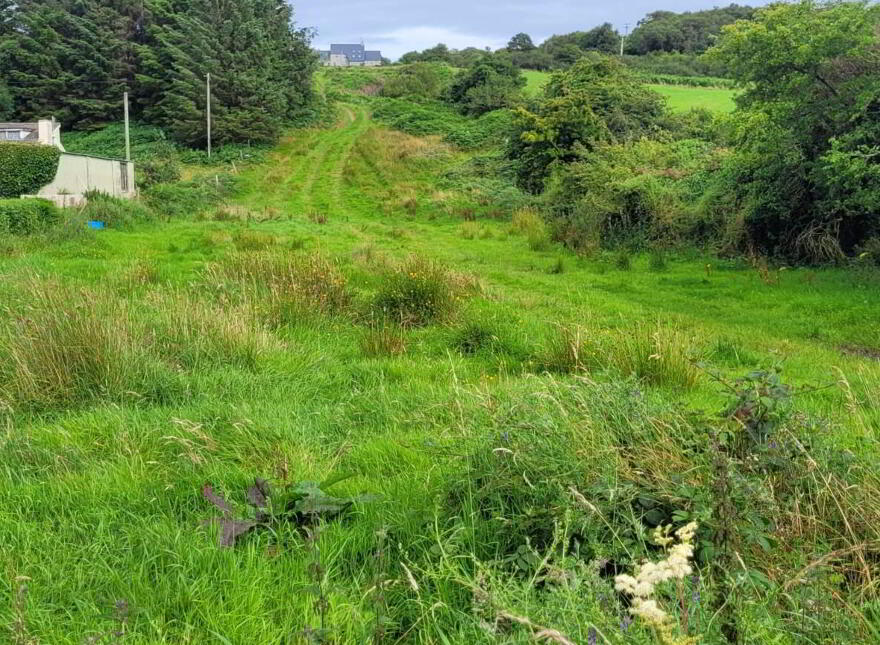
283	287
66	346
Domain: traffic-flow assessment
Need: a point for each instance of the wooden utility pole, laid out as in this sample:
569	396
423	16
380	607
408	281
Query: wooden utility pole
127	130
209	115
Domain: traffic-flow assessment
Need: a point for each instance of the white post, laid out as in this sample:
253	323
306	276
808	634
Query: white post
623	38
127	130
209	115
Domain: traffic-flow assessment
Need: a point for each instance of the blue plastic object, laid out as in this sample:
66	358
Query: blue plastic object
96	225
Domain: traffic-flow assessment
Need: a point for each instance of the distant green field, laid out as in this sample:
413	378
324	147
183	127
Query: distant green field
535	81
681	97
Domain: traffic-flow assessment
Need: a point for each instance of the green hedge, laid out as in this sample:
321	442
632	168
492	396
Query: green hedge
25	168
26	216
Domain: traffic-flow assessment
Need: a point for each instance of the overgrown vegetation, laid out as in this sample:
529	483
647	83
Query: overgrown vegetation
359	390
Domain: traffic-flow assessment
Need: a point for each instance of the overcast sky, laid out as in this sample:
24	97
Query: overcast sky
399	26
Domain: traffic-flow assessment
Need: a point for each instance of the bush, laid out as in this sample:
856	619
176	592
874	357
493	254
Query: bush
491	84
418	293
27	216
190	198
596	102
633	193
419	80
25	168
434	117
115	212
158	170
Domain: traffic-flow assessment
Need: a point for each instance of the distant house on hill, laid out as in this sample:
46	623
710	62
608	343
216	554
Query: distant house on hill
350	56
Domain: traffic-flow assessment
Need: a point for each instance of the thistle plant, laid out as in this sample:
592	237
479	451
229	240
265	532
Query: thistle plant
648	575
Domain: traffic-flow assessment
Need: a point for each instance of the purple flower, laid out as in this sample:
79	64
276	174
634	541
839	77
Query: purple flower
625	622
695	597
592	636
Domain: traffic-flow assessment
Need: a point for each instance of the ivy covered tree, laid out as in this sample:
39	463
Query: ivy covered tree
494	82
595	102
805	175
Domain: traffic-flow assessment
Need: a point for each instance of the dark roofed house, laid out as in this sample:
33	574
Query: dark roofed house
45	131
342	55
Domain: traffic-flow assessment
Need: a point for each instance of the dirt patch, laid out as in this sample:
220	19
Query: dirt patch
863	352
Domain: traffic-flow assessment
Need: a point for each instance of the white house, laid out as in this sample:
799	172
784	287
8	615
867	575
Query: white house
45	131
77	174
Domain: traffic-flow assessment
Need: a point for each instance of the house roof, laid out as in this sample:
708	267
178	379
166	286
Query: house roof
352	52
31	128
373	56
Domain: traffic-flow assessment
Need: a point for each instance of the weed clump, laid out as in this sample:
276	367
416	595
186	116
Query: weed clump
528	223
420	292
383	340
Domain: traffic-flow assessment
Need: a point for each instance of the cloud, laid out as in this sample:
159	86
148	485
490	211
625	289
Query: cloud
399	41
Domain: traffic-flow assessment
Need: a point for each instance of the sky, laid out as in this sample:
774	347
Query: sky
399	26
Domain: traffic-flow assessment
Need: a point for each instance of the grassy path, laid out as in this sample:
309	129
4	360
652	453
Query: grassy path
305	174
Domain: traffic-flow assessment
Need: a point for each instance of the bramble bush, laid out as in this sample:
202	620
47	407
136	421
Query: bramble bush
27	216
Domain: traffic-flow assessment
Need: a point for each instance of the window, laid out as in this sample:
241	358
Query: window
11	135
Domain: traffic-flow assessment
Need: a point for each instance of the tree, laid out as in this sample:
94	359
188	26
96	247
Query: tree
66	58
806	173
6	104
597	101
521	43
689	32
491	84
603	38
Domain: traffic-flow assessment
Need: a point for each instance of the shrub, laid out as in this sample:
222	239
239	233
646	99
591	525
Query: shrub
595	102
419	292
528	222
25	168
158	170
190	198
27	216
115	212
492	83
420	80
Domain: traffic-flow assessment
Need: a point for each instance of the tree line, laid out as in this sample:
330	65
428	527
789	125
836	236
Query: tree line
685	34
73	59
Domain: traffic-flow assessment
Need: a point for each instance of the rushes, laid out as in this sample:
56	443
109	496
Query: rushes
284	287
657	355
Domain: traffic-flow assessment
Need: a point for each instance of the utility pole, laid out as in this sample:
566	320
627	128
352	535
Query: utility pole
127	130
623	38
209	115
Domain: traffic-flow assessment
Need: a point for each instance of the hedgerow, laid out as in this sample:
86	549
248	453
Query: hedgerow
26	216
25	168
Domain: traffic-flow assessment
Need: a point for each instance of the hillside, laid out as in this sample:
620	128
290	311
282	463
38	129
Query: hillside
523	370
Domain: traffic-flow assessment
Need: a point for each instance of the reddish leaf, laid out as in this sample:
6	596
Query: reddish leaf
216	500
231	530
258	493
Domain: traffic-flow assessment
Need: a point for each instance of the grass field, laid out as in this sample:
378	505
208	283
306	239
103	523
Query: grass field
302	332
681	98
